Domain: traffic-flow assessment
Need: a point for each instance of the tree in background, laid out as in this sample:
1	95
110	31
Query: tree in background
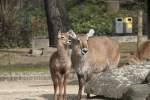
147	3
8	16
12	25
113	6
20	19
57	18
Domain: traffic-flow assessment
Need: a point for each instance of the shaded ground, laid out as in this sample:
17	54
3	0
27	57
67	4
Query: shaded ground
34	90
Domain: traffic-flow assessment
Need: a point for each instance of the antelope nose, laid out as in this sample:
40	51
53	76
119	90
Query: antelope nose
85	50
69	41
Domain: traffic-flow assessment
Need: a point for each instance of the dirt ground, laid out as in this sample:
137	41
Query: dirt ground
30	90
34	90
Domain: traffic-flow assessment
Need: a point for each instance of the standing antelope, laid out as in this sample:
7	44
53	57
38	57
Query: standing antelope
60	64
90	55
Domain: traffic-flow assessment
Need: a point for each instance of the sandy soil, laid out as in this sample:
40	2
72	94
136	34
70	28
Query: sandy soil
31	90
34	90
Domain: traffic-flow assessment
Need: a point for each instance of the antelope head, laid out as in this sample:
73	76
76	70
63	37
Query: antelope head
80	43
63	38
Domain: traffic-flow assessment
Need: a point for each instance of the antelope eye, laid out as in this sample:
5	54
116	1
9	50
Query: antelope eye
62	37
78	41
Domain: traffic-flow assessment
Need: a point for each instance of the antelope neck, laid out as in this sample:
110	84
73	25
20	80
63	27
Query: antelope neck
62	50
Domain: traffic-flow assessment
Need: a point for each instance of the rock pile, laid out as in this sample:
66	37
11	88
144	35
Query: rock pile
116	83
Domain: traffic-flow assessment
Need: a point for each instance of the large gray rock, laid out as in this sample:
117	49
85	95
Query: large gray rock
137	92
148	78
113	83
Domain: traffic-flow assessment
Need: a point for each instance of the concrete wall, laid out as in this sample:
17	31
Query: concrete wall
44	43
128	38
40	43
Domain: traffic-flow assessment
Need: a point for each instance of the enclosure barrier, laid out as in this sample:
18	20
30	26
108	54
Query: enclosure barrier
30	76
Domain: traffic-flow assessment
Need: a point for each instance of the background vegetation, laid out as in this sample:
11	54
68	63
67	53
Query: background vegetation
94	14
23	21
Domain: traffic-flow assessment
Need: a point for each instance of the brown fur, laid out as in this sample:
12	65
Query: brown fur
142	54
103	53
144	51
132	59
60	64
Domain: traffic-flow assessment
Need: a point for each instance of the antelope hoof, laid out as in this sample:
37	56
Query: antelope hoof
88	95
65	98
79	98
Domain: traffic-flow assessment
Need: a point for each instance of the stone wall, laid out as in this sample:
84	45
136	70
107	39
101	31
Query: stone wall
44	43
128	38
17	76
40	43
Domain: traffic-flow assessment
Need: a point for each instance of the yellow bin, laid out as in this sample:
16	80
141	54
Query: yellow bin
128	21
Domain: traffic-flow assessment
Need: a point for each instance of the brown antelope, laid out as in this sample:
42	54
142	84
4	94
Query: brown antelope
90	55
141	55
60	64
144	51
132	59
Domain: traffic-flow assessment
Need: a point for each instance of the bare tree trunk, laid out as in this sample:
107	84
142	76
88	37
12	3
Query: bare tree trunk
64	15
57	18
148	17
52	37
113	6
145	18
140	30
1	26
2	15
19	3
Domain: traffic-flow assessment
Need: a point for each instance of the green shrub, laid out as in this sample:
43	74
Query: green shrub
93	14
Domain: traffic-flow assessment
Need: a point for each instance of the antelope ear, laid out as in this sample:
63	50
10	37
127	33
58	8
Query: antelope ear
90	33
72	34
59	34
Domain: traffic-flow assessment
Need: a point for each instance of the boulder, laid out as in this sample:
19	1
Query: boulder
137	92
148	78
113	83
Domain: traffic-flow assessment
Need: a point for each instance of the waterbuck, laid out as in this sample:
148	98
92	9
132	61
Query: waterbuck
60	64
91	55
144	51
142	54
